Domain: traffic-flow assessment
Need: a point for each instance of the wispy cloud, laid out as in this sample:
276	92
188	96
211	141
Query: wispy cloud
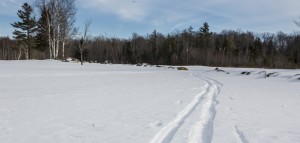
128	10
177	13
260	16
127	16
10	7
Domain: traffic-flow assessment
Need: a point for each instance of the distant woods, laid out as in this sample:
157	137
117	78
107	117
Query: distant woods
54	37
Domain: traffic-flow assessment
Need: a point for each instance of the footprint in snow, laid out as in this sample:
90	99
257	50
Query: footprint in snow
178	102
229	110
156	124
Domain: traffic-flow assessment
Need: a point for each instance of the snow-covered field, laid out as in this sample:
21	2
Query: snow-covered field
56	102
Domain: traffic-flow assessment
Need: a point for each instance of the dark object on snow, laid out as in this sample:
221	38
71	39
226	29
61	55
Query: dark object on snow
246	73
182	68
158	66
297	74
270	74
219	70
139	64
145	64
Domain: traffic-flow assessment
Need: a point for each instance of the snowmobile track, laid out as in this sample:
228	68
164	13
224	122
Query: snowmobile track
201	131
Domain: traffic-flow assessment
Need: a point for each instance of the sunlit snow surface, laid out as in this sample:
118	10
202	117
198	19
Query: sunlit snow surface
52	101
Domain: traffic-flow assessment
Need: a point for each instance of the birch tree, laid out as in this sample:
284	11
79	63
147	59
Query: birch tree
60	17
68	12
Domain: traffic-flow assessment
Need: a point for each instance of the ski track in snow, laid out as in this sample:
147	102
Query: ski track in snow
200	132
240	135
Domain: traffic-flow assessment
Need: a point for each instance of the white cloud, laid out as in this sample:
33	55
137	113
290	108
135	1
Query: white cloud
267	15
178	14
129	10
255	15
11	7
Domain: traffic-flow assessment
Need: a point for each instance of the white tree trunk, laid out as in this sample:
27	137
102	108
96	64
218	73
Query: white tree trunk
63	49
26	53
49	37
50	44
57	41
20	53
50	50
53	47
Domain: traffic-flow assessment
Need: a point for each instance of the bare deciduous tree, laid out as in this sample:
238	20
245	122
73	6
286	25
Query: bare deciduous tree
83	39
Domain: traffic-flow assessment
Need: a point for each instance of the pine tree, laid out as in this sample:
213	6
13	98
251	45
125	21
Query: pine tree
207	42
42	37
153	43
205	29
26	28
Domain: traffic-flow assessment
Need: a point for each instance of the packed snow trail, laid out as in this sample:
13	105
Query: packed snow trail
200	132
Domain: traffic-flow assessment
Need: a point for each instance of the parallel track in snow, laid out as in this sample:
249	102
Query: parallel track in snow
201	131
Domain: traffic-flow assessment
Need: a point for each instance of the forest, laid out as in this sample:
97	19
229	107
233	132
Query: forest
54	36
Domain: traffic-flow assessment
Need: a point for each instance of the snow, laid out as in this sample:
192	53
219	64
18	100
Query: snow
63	102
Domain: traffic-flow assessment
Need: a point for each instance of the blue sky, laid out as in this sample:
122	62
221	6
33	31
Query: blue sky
120	18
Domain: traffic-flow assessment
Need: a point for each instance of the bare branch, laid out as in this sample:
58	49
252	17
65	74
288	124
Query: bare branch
297	22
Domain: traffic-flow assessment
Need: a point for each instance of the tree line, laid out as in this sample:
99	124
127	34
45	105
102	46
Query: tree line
199	47
53	36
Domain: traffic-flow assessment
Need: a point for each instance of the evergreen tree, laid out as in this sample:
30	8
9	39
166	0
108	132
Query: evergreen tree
153	43
128	53
207	42
42	36
205	29
258	47
26	28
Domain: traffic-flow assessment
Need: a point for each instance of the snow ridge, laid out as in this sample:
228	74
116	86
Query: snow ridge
201	131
